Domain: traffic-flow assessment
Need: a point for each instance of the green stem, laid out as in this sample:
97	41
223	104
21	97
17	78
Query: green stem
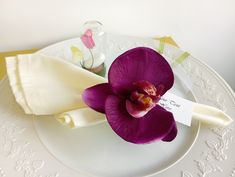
82	63
92	62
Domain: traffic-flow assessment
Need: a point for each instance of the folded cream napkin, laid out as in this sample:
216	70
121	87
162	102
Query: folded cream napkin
45	85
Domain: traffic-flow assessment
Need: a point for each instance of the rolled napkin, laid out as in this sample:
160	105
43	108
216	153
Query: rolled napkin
45	85
82	117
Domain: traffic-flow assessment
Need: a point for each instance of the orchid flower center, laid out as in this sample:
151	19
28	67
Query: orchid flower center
144	97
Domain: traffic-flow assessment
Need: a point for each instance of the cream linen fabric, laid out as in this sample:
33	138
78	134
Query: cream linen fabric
45	85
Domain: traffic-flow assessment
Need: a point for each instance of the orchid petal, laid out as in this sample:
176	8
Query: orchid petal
95	96
172	134
155	125
140	64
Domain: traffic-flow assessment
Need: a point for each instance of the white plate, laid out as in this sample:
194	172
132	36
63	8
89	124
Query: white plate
99	152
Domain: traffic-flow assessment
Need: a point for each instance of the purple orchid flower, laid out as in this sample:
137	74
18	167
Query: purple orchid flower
136	81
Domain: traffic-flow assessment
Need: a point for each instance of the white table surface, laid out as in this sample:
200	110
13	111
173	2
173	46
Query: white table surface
205	28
